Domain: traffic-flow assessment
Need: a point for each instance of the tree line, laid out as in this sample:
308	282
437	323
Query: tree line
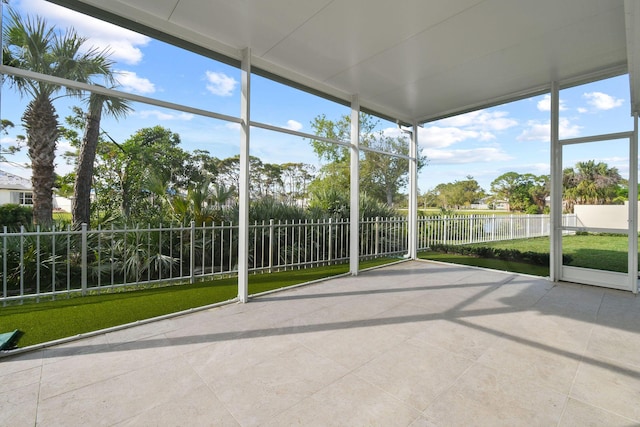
588	182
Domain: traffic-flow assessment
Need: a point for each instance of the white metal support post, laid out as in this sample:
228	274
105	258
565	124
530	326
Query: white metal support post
354	217
243	221
413	193
555	229
633	207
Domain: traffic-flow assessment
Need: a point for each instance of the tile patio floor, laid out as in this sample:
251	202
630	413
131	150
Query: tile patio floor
413	344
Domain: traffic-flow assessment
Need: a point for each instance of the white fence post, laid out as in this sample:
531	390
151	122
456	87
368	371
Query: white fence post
4	265
271	234
511	226
22	258
330	242
38	261
445	225
377	236
192	253
83	259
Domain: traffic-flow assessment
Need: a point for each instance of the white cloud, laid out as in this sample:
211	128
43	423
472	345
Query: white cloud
124	45
582	110
477	125
541	131
293	125
220	84
482	120
130	81
474	155
545	104
161	115
602	101
440	137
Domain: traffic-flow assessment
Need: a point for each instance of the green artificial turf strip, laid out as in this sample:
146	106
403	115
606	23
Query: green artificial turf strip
495	264
50	320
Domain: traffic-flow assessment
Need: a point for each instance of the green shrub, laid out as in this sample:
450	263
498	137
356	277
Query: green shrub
532	210
13	216
529	257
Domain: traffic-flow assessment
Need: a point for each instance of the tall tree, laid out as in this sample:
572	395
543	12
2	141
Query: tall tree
381	175
296	178
31	44
591	183
459	193
129	172
97	104
524	192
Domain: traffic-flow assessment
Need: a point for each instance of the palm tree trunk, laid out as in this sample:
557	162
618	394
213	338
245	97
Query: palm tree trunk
41	123
81	203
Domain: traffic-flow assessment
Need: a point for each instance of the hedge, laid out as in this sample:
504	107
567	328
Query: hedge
535	258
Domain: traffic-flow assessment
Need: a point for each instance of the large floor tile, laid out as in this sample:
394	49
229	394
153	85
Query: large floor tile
198	407
580	414
20	362
414	372
349	401
263	391
18	406
353	347
538	364
616	344
486	397
558	331
457	338
579	302
121	397
220	362
90	368
610	385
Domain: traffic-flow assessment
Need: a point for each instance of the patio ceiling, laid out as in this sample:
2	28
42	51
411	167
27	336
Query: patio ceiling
411	60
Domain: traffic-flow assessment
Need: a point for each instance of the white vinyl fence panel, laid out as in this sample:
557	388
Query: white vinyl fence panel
36	263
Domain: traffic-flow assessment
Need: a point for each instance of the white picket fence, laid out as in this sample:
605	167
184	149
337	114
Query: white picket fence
37	263
460	230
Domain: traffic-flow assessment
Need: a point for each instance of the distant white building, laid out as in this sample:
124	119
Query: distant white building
17	190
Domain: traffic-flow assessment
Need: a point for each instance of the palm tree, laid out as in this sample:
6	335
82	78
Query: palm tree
31	44
116	107
591	183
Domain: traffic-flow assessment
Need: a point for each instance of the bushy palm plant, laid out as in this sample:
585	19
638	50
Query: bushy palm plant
31	44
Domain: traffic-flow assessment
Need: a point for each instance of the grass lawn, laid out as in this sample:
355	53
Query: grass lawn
51	320
602	252
495	264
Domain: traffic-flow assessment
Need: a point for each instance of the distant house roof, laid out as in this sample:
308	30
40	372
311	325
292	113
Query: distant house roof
9	181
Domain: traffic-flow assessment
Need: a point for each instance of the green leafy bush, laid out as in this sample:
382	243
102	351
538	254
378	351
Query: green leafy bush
13	216
529	257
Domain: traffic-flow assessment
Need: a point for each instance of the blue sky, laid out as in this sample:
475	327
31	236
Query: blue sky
483	144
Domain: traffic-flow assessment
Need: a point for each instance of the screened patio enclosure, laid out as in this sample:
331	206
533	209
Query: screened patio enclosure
411	62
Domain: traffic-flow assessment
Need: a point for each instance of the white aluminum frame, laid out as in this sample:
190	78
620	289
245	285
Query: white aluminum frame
413	194
608	279
245	142
354	210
